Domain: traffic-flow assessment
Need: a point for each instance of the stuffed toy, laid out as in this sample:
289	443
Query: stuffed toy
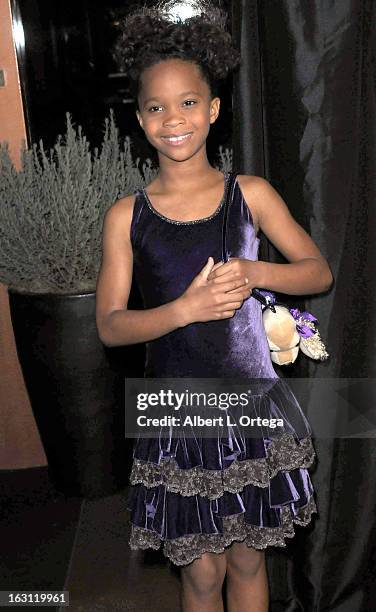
288	330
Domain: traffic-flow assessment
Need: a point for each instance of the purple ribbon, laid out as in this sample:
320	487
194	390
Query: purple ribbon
303	330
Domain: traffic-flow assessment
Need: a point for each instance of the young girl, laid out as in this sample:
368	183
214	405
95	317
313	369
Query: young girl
216	510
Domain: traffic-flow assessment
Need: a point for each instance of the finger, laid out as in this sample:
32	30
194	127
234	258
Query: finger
233	285
223	268
232	305
207	268
245	294
227	314
246	287
236	295
218	264
220	278
231	299
214	268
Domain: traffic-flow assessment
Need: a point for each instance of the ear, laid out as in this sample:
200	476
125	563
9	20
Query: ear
139	118
214	109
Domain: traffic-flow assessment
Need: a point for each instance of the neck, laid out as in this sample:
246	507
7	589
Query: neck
180	175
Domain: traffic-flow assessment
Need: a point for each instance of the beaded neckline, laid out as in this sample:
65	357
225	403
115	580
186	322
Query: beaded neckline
194	221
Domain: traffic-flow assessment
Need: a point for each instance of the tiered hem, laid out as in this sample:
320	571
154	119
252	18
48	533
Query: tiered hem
185	549
283	454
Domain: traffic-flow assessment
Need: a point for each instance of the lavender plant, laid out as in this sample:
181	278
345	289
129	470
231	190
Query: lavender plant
225	162
52	209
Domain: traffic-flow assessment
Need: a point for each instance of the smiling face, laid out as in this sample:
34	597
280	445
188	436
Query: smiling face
176	109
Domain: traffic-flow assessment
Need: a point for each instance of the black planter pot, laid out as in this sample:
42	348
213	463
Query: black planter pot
76	388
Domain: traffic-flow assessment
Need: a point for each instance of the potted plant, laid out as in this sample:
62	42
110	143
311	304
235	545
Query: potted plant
51	216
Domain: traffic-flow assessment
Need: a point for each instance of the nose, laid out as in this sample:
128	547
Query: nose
173	118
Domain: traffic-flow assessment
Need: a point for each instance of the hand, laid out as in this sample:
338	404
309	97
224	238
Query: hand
219	298
238	268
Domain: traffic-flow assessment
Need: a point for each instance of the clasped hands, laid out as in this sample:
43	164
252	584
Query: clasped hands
219	290
236	268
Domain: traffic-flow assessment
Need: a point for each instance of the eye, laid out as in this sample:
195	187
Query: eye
189	102
154	109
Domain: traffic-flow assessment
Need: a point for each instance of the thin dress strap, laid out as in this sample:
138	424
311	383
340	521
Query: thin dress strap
136	214
228	200
256	293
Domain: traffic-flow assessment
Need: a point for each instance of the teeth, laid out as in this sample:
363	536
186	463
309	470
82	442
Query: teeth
177	138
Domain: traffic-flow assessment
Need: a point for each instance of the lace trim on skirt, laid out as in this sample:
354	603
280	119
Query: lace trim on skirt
283	454
185	549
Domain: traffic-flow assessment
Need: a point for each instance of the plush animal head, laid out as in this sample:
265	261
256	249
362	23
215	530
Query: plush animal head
283	338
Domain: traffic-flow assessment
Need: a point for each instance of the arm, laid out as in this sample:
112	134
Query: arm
116	324
308	271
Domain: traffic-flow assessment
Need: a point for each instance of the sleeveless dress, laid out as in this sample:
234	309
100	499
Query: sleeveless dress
193	496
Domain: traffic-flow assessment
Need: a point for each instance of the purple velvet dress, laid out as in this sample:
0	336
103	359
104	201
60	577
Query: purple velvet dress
200	495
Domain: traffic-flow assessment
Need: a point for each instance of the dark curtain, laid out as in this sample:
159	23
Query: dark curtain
305	119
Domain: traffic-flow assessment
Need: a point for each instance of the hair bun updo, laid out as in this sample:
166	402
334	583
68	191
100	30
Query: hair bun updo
149	36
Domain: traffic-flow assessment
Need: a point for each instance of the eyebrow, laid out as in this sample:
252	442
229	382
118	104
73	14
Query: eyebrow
182	95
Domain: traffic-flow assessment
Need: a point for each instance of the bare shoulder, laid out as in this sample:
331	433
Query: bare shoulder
262	197
251	181
254	189
122	209
119	215
275	220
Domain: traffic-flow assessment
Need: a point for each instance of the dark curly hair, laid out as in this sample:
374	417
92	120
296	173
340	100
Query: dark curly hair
149	36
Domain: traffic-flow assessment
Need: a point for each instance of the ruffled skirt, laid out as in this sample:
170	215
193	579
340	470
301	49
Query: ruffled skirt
194	494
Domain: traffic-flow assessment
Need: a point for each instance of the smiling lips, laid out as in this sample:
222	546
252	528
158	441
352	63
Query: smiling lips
175	141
